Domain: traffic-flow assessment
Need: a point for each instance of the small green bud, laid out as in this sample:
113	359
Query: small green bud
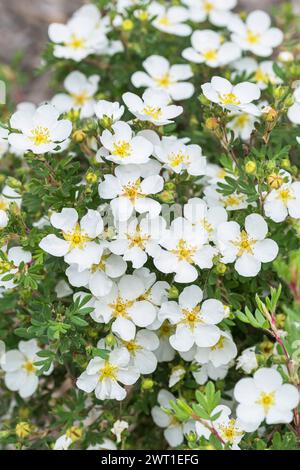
173	293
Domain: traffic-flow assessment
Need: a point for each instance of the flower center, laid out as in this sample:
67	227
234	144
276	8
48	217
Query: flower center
122	149
211	54
29	367
77	238
184	252
260	76
108	371
175	159
252	38
285	195
5	266
132	191
230	432
152	111
3	204
80	99
40	135
245	244
164	81
137	239
119	307
266	400
132	347
75	42
191	317
208	6
242	120
230	98
164	20
233	200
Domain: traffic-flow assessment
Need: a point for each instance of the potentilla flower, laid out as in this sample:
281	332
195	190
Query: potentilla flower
170	20
174	430
242	124
248	248
39	130
123	147
141	350
77	245
184	249
98	278
220	353
283	201
208	47
178	157
118	428
20	368
136	240
82	35
208	371
195	321
265	397
217	12
247	361
261	73
128	192
154	106
236	98
10	262
232	202
255	34
163	76
164	352
81	91
108	111
105	375
126	306
197	212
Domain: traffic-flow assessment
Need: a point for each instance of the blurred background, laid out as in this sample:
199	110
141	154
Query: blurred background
24	25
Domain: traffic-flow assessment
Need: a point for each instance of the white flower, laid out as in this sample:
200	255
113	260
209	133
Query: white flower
247	360
220	353
123	147
195	322
98	277
130	192
119	427
107	109
284	201
179	157
20	370
247	248
177	374
265	397
63	443
242	125
62	289
135	240
141	351
103	376
10	262
263	73
82	35
77	244
161	75
208	47
125	305
201	216
232	202
40	130
173	430
255	34
170	20
209	371
233	97
184	248
154	106
216	11
81	91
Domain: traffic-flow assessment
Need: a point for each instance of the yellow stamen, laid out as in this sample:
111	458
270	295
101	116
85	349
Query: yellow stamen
108	371
229	98
40	135
119	308
29	367
245	244
211	54
266	400
285	195
184	252
77	238
75	42
208	6
164	81
153	111
80	99
122	149
252	38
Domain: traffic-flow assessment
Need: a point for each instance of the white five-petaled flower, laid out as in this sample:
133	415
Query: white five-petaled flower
161	75
105	375
20	369
232	202
112	111
123	147
126	306
217	12
82	35
40	130
141	351
184	249
247	248
261	73
10	262
195	322
138	239
255	34
265	397
178	157
174	430
128	191
170	20
154	106
283	201
209	47
81	91
202	217
77	245
233	97
219	354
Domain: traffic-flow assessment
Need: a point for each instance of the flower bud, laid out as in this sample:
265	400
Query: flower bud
269	114
78	136
147	384
285	56
212	123
74	433
91	177
221	268
110	340
127	25
173	293
275	180
23	429
250	167
13	182
285	163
